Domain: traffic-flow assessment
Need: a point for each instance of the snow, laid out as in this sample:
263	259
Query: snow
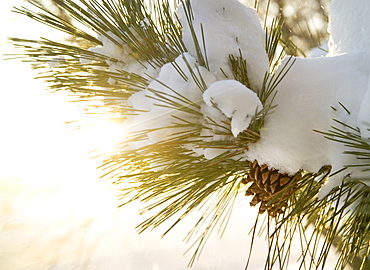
229	28
116	49
158	117
349	26
363	121
56	213
350	29
305	99
314	92
235	100
308	99
320	51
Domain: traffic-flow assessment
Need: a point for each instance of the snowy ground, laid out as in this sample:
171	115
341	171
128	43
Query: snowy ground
55	212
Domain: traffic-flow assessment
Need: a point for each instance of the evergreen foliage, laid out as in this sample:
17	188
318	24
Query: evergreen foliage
169	178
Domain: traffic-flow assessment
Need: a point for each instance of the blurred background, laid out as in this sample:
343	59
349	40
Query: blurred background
55	211
305	22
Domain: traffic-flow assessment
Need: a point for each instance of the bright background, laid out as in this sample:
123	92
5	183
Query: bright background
55	212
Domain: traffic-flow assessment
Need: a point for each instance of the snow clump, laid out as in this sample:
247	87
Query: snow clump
308	99
157	116
349	26
313	93
229	27
349	33
235	100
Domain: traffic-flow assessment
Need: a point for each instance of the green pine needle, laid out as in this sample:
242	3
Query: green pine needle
168	176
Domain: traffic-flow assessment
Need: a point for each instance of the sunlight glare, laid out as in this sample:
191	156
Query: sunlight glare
100	133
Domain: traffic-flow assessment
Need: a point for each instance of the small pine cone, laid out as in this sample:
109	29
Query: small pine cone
265	184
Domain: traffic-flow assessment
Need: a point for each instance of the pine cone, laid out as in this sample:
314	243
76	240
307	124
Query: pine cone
266	184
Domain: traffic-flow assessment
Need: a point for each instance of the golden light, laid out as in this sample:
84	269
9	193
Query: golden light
55	211
99	133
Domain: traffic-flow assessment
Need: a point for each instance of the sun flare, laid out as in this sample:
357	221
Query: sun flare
99	134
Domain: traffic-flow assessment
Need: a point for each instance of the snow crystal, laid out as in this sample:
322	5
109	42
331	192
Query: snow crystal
234	100
228	27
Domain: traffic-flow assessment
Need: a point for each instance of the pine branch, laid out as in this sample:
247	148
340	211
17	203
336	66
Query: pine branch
351	138
168	175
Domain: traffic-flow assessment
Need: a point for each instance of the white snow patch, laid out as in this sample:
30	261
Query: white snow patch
235	101
363	121
229	28
306	98
157	115
349	26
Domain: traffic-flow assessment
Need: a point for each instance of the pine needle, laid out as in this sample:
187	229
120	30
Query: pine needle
167	175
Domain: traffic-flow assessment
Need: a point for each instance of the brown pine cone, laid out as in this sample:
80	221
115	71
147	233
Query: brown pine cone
266	183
